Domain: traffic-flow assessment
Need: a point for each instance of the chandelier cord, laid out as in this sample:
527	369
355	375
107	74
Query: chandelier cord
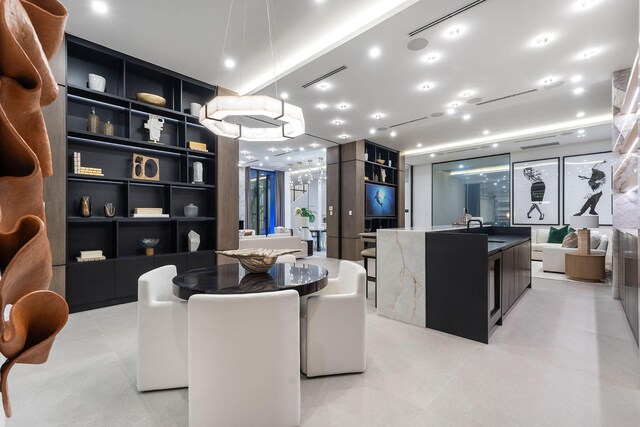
273	57
224	43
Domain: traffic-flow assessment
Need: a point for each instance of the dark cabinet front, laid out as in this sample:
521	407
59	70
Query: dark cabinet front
516	273
508	278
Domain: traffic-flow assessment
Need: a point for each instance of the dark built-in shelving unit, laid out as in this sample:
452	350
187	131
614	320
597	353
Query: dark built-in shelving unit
114	280
373	174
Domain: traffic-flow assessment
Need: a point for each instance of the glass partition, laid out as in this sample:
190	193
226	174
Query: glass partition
480	185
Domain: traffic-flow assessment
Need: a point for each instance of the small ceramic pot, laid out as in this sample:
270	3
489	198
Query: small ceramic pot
109	210
97	83
191	211
195	108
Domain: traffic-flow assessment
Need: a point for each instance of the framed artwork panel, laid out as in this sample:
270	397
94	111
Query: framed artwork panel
536	192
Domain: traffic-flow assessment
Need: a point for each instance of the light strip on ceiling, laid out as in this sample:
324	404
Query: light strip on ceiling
488	169
539	130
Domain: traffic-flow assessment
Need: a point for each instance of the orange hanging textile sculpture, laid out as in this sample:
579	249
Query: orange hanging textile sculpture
31	32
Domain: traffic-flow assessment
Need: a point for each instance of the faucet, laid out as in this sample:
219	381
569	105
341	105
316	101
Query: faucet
475	220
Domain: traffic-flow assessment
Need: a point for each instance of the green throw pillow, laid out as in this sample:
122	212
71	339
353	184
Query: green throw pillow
556	235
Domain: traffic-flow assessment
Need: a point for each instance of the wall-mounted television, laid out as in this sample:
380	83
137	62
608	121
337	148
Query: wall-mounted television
380	200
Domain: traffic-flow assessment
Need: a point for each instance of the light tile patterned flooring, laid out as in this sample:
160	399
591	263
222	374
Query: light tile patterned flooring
565	357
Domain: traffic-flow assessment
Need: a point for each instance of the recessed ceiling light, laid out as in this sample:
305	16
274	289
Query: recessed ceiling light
301	148
323	85
261	164
451	110
542	40
425	86
433	154
494	145
266	157
466	116
578	90
466	93
548	81
454	104
249	157
485	132
288	157
393	134
321	106
432	57
240	163
372	131
344	136
99	7
461	167
337	122
581	135
580	114
245	152
315	145
288	149
588	54
284	95
576	78
229	63
343	106
374	52
454	32
419	145
581	131
273	149
378	116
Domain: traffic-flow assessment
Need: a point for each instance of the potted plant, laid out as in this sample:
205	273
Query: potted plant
304	217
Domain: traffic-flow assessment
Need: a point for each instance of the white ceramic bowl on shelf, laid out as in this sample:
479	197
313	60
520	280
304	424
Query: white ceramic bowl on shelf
97	83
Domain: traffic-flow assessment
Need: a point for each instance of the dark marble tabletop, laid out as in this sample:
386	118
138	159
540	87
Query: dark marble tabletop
233	279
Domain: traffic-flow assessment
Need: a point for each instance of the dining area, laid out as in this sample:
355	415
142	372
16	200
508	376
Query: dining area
240	340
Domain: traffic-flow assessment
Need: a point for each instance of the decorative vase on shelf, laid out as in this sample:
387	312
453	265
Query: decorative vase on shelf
366	156
197	173
190	211
195	108
383	174
109	128
97	82
390	164
93	122
85	206
194	241
109	210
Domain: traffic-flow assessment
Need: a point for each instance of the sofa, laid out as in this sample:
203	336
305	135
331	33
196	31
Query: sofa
275	241
552	254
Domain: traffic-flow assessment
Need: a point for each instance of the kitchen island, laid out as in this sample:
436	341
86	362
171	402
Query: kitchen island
456	280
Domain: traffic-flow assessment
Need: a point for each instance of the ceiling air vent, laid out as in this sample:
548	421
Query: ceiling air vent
410	121
548	144
507	97
444	18
538	138
329	74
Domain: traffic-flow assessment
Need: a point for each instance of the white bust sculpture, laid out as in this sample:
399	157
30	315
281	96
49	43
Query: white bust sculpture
155	125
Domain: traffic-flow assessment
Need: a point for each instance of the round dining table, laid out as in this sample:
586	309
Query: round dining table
233	279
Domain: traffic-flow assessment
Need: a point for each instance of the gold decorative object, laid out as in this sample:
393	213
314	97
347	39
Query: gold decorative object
257	260
31	32
380	162
198	146
144	167
93	122
109	128
150	98
85	206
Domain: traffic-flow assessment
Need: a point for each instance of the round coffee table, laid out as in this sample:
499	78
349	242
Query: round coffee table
589	268
233	279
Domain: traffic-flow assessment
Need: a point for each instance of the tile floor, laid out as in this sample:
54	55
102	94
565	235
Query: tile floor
565	357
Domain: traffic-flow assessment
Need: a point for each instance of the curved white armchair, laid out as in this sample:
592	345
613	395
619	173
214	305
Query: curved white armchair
244	360
289	258
162	332
332	325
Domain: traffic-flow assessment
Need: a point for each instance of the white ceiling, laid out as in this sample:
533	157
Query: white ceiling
493	57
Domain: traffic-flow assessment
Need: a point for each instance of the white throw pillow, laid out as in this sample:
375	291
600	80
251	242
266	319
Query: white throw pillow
595	239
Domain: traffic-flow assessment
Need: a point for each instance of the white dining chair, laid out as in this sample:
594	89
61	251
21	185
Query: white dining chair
332	325
244	359
162	332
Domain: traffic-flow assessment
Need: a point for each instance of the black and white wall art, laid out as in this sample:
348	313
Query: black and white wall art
536	192
587	186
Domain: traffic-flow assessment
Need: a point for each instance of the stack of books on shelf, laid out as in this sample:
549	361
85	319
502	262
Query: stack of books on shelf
78	169
86	256
149	213
198	146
